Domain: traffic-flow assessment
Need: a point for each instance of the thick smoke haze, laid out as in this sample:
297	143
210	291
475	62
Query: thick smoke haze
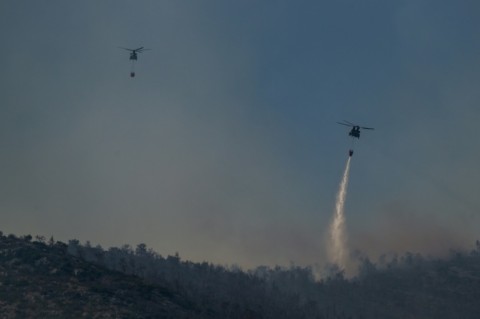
224	146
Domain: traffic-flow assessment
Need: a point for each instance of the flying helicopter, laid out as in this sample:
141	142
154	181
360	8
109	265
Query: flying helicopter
133	57
354	132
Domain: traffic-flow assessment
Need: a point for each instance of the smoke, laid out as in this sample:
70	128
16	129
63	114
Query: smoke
337	245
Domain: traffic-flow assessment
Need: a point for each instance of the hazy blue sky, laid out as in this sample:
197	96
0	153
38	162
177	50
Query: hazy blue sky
225	147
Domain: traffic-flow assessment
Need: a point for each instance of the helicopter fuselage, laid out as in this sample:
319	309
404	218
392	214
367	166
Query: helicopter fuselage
355	132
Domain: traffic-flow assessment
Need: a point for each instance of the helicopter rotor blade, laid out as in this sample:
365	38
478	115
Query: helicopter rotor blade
126	49
349	123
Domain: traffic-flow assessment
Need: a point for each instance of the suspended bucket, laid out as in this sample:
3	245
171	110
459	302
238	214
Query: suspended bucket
132	69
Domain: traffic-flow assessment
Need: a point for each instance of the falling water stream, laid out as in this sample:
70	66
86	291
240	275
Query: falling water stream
338	250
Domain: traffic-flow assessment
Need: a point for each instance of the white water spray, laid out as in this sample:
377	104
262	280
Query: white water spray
337	249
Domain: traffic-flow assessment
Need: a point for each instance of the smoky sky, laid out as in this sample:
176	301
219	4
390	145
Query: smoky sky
224	147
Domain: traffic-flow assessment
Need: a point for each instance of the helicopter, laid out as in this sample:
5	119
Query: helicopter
133	57
354	132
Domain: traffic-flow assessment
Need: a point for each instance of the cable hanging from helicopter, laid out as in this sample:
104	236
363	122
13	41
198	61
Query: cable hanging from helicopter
133	58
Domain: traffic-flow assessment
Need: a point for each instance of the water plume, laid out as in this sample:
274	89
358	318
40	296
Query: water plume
337	245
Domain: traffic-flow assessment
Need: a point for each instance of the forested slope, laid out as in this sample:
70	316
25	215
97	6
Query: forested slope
57	280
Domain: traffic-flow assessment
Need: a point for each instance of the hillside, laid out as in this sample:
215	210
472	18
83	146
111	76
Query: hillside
58	280
43	281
